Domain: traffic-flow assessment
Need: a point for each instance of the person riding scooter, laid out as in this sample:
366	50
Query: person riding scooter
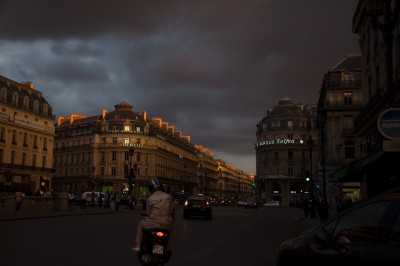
160	212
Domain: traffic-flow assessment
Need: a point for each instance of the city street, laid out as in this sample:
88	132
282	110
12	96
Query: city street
235	236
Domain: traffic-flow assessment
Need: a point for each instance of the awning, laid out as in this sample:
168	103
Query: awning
351	172
367	160
342	172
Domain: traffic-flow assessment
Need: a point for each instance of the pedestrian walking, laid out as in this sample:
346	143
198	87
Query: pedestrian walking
117	200
306	207
18	200
71	201
100	199
83	201
92	199
106	200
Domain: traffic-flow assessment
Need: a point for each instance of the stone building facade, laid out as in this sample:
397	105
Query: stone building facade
287	153
26	138
122	150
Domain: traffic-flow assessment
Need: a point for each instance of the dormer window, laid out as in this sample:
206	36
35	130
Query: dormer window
36	106
45	109
26	103
15	99
127	128
3	95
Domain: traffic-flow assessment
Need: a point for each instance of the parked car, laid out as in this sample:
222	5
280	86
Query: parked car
250	203
199	206
272	203
365	234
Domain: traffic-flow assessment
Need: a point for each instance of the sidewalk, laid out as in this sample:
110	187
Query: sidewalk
25	215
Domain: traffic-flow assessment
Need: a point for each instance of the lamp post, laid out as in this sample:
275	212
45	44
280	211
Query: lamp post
131	172
310	143
93	178
324	214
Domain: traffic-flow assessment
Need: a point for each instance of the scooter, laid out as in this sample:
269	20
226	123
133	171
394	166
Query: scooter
154	248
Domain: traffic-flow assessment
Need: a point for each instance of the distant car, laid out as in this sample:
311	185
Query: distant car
365	234
214	202
226	202
197	206
240	203
250	203
272	203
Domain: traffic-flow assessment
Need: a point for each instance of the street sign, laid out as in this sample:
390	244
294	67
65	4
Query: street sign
389	123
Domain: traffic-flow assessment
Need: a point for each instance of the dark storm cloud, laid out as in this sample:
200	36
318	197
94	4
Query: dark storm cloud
210	68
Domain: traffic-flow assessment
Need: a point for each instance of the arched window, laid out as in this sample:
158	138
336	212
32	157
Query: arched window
36	106
15	99
3	95
26	102
45	109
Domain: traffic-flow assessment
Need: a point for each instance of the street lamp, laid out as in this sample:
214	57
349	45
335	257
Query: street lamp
310	143
131	173
93	178
324	214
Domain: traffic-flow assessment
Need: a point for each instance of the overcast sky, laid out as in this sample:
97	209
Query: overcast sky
209	67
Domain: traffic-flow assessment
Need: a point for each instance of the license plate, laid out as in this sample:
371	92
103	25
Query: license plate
157	249
196	206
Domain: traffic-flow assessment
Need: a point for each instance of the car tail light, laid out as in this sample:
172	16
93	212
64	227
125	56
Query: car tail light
186	203
207	203
159	234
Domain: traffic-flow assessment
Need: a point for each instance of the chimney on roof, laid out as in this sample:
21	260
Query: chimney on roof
28	84
104	112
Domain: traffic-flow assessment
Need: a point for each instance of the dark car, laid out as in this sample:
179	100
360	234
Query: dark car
366	234
250	203
226	202
199	206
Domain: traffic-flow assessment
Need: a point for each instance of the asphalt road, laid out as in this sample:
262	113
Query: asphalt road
235	236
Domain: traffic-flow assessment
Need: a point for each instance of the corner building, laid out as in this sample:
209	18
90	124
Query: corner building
286	153
26	138
93	153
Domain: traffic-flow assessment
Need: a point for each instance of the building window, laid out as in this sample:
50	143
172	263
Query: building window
127	128
113	171
44	162
290	136
102	155
290	170
348	122
114	140
349	149
45	109
24	159
102	170
36	106
14	137
138	156
1	155
13	154
15	99
3	96
45	144
126	141
25	140
290	124
26	103
2	134
114	155
290	154
276	155
275	125
35	142
347	98
34	160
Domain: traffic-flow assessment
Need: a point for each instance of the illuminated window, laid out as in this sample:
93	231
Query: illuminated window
347	98
126	141
127	128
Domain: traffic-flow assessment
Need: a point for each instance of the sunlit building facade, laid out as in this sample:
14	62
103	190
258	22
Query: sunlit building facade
26	138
